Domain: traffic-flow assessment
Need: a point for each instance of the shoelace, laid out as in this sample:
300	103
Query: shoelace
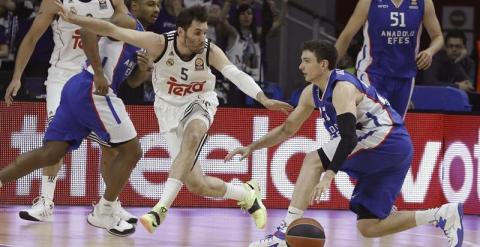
39	201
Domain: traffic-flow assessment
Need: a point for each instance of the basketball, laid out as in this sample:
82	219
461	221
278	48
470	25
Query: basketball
305	232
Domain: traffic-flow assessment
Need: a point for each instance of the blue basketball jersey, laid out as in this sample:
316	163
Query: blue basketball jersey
373	111
391	38
118	59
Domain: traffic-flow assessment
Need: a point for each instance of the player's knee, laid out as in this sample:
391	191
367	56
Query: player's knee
50	156
312	162
193	139
136	154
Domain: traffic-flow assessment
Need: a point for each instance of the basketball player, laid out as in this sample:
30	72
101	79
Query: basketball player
368	141
389	57
186	103
66	60
89	105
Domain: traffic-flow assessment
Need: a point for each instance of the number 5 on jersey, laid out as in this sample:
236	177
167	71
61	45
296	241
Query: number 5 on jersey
184	74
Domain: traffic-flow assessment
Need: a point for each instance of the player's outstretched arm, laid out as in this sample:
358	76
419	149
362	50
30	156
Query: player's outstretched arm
43	19
356	21
291	126
244	82
152	42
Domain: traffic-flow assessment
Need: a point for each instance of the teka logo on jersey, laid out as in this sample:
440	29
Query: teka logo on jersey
184	89
77	40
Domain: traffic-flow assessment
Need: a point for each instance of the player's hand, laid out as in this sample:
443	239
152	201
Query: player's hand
12	90
243	151
322	186
101	84
145	63
424	59
276	105
62	11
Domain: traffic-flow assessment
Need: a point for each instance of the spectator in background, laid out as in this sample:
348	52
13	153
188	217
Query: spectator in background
6	8
167	18
190	3
243	46
448	70
456	51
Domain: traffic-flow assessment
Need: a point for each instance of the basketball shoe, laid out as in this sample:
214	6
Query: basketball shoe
42	210
276	239
253	204
154	218
124	214
449	218
105	216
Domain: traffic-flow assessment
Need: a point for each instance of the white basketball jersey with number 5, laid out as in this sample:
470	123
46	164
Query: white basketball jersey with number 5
68	55
178	81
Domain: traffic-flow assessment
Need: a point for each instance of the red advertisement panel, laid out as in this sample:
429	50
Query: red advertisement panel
444	168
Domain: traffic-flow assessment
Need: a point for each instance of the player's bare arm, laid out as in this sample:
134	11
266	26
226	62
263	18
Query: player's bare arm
152	42
120	7
143	70
44	18
424	58
244	82
90	47
356	21
291	126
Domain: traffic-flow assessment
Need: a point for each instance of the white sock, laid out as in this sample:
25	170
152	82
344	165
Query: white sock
48	186
293	214
425	216
105	206
235	192
172	187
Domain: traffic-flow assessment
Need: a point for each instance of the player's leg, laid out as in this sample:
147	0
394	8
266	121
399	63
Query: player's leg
309	176
191	140
107	117
42	209
106	160
47	155
247	194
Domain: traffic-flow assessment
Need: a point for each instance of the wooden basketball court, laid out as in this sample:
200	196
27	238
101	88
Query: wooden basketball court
205	227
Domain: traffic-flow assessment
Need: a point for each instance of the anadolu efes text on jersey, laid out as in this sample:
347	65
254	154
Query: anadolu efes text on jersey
392	37
178	81
68	54
373	112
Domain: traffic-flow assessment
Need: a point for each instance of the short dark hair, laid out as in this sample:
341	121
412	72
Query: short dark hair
456	34
323	49
188	15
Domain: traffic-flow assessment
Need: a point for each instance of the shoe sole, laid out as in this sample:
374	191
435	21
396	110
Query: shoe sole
147	225
115	233
258	195
26	216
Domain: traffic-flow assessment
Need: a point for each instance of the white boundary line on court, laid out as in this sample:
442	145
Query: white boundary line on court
465	242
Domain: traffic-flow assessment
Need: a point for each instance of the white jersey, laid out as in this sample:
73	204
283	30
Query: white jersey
178	82
246	55
68	55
